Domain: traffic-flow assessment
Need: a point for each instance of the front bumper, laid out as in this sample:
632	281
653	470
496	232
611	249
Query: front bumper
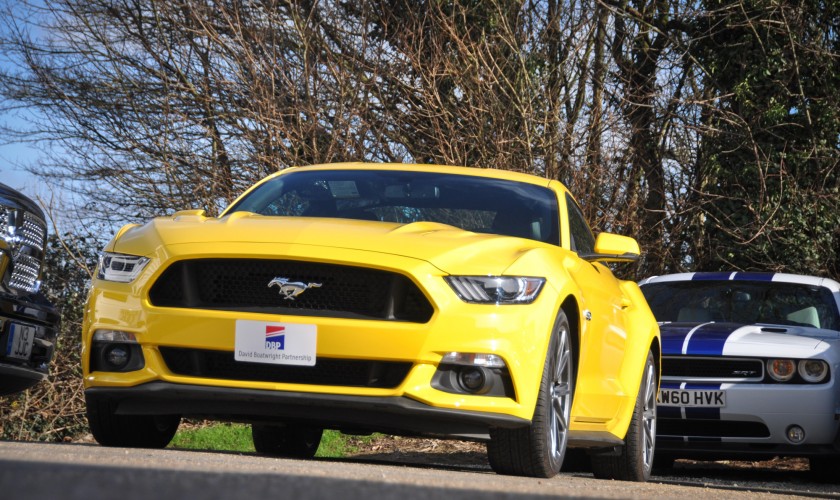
516	333
394	414
200	337
755	422
35	312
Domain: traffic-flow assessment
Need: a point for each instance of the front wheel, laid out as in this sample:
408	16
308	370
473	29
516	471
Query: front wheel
538	450
286	441
635	460
132	431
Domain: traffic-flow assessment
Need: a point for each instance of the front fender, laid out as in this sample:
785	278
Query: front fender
612	366
642	336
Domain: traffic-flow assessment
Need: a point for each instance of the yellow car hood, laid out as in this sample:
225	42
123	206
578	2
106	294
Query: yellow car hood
448	248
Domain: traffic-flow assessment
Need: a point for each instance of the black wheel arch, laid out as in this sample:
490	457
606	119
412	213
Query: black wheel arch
656	349
573	315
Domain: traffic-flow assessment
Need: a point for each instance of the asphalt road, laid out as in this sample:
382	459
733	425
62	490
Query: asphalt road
88	472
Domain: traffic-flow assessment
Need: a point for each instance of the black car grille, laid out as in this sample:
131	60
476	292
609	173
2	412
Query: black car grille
712	368
29	233
710	428
327	371
243	285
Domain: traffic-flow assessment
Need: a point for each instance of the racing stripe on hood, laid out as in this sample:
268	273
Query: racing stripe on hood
708	339
753	276
712	276
732	276
673	337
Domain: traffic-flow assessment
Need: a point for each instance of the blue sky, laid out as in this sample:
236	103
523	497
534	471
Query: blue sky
14	155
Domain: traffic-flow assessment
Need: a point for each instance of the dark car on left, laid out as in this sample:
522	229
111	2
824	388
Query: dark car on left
28	322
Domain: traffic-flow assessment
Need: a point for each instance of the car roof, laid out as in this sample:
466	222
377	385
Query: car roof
417	167
746	276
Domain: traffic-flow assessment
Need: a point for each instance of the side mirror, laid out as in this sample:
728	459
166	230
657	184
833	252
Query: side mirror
615	248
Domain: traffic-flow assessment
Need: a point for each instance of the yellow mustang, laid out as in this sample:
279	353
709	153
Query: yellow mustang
408	299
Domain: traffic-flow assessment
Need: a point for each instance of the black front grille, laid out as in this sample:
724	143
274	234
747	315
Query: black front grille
710	428
712	368
243	285
327	371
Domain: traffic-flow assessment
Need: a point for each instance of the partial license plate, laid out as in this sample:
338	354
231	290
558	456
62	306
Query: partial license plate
692	398
275	343
21	338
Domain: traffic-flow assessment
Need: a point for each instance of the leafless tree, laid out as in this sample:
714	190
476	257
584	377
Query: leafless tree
159	105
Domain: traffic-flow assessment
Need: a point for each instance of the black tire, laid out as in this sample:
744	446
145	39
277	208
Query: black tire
286	441
635	459
131	431
538	450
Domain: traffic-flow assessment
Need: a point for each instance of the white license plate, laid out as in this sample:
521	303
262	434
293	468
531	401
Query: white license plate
21	338
692	398
275	343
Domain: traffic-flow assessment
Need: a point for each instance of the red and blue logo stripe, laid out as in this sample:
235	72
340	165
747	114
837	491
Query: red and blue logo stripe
275	337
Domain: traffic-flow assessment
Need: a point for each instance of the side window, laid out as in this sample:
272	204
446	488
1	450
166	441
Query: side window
582	240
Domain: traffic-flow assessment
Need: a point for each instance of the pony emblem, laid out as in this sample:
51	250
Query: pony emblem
290	290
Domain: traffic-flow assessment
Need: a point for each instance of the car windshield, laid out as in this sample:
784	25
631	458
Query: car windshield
478	204
744	302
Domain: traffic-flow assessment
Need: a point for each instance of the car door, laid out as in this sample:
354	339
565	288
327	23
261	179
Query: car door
603	333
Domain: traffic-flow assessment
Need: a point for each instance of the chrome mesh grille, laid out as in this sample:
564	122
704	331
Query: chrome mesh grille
33	232
25	234
25	273
6	221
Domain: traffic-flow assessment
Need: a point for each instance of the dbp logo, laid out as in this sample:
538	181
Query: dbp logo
275	337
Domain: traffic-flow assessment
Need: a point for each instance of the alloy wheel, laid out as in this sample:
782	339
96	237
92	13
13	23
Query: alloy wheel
561	395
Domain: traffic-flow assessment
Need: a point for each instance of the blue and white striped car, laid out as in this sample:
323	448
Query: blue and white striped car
750	366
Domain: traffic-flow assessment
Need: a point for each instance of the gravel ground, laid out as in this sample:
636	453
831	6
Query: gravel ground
788	476
784	476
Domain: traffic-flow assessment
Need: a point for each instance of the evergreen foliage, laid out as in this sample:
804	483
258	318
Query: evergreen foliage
771	199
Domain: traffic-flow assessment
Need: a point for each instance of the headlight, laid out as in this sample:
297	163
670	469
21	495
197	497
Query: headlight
114	336
120	267
7	227
813	370
496	289
472	359
781	370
